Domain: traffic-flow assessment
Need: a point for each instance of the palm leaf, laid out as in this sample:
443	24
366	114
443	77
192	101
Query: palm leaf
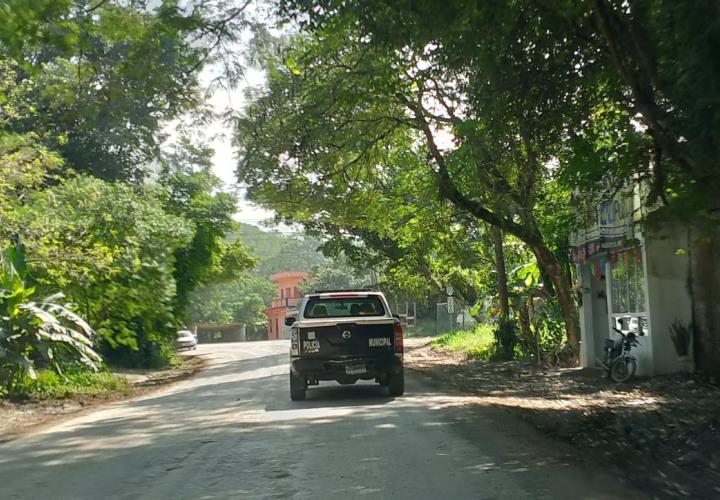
46	327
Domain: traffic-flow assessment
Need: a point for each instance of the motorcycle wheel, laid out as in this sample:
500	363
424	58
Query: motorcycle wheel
623	369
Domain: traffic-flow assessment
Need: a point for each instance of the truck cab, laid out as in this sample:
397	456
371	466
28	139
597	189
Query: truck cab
345	336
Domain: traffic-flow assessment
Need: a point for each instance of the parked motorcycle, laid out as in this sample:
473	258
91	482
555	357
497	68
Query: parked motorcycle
620	366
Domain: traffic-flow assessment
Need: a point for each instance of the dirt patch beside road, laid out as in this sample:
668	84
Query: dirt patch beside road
19	417
663	431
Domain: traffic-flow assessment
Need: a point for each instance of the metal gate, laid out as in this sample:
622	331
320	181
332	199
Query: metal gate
444	321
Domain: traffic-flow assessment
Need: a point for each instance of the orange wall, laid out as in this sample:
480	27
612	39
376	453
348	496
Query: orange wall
287	293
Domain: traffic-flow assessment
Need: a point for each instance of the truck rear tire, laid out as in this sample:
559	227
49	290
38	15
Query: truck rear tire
298	386
396	383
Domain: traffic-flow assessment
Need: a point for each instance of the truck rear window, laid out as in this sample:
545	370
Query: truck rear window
344	307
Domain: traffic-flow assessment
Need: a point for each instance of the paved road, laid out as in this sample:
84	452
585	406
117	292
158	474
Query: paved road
232	432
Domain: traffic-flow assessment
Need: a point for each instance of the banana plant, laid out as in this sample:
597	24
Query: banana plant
36	330
539	315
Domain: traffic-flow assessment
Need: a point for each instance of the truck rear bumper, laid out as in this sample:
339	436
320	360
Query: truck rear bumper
346	369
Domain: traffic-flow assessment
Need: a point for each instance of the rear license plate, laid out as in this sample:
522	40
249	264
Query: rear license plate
354	369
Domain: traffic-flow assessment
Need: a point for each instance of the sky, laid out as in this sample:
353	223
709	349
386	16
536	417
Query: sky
220	134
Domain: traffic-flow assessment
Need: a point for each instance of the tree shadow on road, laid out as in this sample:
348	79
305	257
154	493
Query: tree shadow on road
661	432
232	432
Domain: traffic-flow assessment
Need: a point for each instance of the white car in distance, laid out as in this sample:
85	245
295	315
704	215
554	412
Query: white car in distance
186	340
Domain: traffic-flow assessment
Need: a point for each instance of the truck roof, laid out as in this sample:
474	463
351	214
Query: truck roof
343	293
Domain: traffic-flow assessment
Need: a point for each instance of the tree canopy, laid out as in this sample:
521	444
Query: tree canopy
116	209
418	143
350	131
386	127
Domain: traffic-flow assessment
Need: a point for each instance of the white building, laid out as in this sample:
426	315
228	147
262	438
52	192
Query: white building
633	276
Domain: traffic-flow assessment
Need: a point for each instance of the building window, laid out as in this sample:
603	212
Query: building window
627	291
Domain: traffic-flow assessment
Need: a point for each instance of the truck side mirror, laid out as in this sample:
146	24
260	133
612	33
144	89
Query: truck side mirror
289	321
396	316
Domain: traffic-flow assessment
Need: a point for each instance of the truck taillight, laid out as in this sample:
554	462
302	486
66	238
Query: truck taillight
398	338
295	342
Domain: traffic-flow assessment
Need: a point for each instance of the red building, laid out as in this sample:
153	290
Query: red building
288	295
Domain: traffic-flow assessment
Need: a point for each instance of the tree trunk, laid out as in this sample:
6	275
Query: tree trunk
528	233
530	339
563	292
501	273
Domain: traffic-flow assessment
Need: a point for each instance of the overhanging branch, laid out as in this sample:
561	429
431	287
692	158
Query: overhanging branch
449	190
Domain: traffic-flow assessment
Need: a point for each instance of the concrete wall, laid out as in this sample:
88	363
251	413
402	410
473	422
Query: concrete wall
668	296
600	319
593	315
276	317
221	333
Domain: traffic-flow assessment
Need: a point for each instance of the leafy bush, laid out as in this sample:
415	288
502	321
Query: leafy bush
112	252
36	332
77	380
477	343
549	329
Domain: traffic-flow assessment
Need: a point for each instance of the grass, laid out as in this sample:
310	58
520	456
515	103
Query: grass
477	343
419	331
51	385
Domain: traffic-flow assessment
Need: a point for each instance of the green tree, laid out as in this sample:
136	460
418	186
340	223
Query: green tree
264	244
339	107
605	90
26	163
107	76
111	248
663	56
91	87
295	254
645	69
340	276
193	192
243	300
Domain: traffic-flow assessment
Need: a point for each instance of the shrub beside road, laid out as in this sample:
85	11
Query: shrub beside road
475	343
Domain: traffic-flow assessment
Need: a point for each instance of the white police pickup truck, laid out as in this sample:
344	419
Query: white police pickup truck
345	335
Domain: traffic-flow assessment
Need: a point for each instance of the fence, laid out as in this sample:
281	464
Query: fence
460	319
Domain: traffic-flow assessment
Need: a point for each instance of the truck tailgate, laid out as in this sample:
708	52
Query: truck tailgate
347	339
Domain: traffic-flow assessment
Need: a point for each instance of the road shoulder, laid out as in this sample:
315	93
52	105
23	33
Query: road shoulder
19	418
662	433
